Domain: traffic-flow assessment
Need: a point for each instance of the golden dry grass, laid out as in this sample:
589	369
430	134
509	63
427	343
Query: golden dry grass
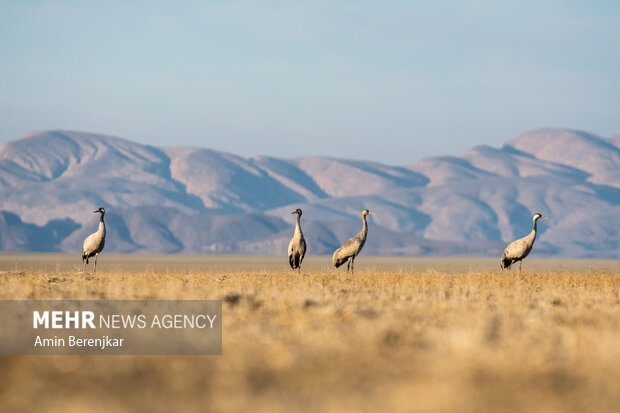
408	339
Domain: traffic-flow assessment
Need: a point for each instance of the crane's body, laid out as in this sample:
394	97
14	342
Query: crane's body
519	249
94	243
352	247
297	246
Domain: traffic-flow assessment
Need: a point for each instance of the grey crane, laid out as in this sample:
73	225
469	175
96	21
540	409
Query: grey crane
519	249
349	250
297	246
94	243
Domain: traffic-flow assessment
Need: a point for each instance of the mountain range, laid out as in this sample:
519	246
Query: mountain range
200	201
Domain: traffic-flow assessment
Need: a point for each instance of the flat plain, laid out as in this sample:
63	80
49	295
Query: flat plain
401	334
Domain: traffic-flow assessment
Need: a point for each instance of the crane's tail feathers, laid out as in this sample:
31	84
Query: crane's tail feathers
86	256
294	261
339	261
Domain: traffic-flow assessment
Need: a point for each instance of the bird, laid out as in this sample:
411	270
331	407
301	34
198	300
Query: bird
349	250
94	243
519	249
297	246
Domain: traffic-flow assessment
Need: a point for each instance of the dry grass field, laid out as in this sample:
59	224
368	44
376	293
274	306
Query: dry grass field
407	335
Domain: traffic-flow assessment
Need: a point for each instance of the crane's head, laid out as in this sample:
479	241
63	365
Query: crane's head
297	211
539	215
100	210
367	212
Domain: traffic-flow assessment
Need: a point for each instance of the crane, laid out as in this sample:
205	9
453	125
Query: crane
519	249
297	246
94	243
349	250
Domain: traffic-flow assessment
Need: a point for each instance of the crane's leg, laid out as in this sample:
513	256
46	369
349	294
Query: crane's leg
83	265
348	264
96	256
520	263
352	259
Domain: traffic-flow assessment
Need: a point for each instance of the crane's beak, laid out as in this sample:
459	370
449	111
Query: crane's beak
294	212
94	212
542	216
371	213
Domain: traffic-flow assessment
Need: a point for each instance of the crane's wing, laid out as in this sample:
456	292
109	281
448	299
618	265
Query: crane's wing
302	249
349	249
93	243
89	243
516	250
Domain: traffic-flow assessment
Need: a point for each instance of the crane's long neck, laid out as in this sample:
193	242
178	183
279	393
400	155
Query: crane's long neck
364	227
101	228
298	227
533	233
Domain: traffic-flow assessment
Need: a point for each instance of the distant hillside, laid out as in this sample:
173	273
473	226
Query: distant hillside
196	200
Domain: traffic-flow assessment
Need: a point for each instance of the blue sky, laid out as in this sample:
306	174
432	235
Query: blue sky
391	81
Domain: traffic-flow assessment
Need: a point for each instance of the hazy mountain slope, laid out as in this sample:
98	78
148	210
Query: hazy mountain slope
196	200
63	174
444	169
580	150
338	178
16	235
227	183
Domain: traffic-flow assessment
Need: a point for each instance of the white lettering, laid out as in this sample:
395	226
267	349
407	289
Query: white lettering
57	319
87	319
75	319
101	343
49	342
38	319
63	319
